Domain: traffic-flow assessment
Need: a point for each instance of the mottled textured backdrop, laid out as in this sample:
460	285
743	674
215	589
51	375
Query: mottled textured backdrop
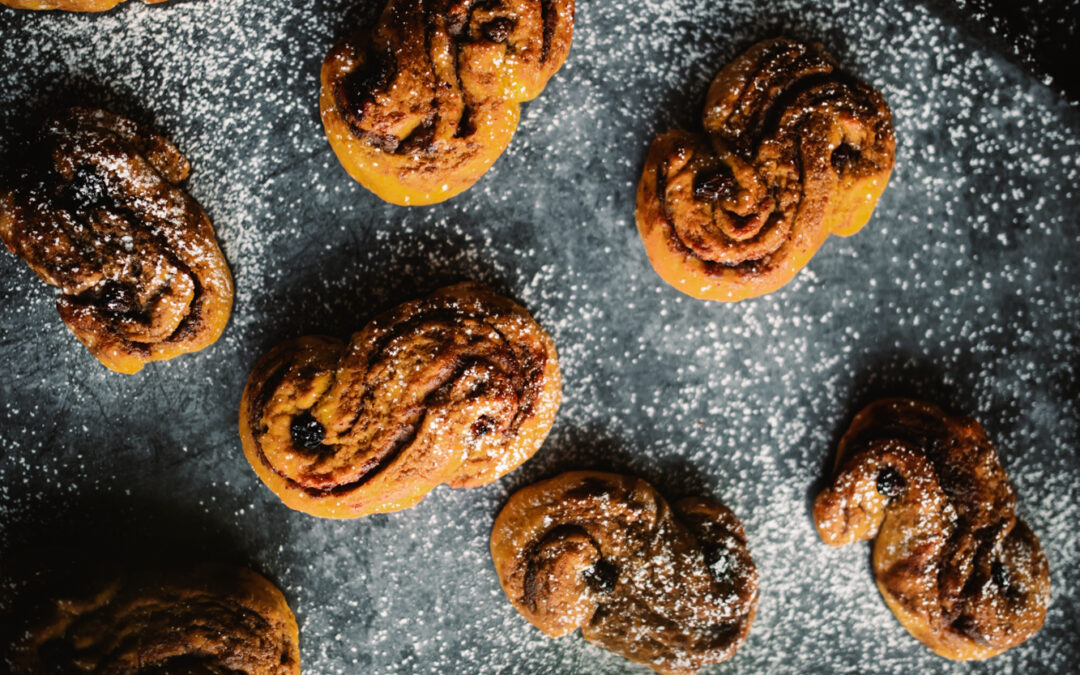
964	288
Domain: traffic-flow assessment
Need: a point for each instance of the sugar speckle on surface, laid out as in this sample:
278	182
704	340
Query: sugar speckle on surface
964	288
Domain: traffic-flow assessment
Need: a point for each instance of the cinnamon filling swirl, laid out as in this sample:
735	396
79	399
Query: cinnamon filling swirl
418	107
670	586
208	619
961	572
459	388
99	215
792	151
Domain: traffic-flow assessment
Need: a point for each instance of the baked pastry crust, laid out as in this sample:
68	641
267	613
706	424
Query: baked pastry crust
101	218
460	388
209	619
670	586
70	5
419	107
960	571
793	150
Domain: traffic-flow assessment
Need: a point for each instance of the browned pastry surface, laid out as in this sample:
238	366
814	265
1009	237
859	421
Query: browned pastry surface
793	150
100	217
210	619
670	586
460	388
420	106
961	572
69	5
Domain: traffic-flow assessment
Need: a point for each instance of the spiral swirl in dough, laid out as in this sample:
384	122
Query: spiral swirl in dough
419	107
793	150
670	586
458	388
70	5
208	619
960	571
100	217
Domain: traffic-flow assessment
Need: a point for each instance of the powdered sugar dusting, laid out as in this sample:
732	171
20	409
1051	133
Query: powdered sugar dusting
962	289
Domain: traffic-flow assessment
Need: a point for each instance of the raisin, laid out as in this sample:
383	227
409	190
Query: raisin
306	432
999	574
602	576
843	157
482	427
117	298
889	482
497	30
709	186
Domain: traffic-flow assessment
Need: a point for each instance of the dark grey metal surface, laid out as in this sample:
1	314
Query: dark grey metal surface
964	288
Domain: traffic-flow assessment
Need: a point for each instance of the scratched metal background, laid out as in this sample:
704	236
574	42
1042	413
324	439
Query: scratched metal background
964	288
